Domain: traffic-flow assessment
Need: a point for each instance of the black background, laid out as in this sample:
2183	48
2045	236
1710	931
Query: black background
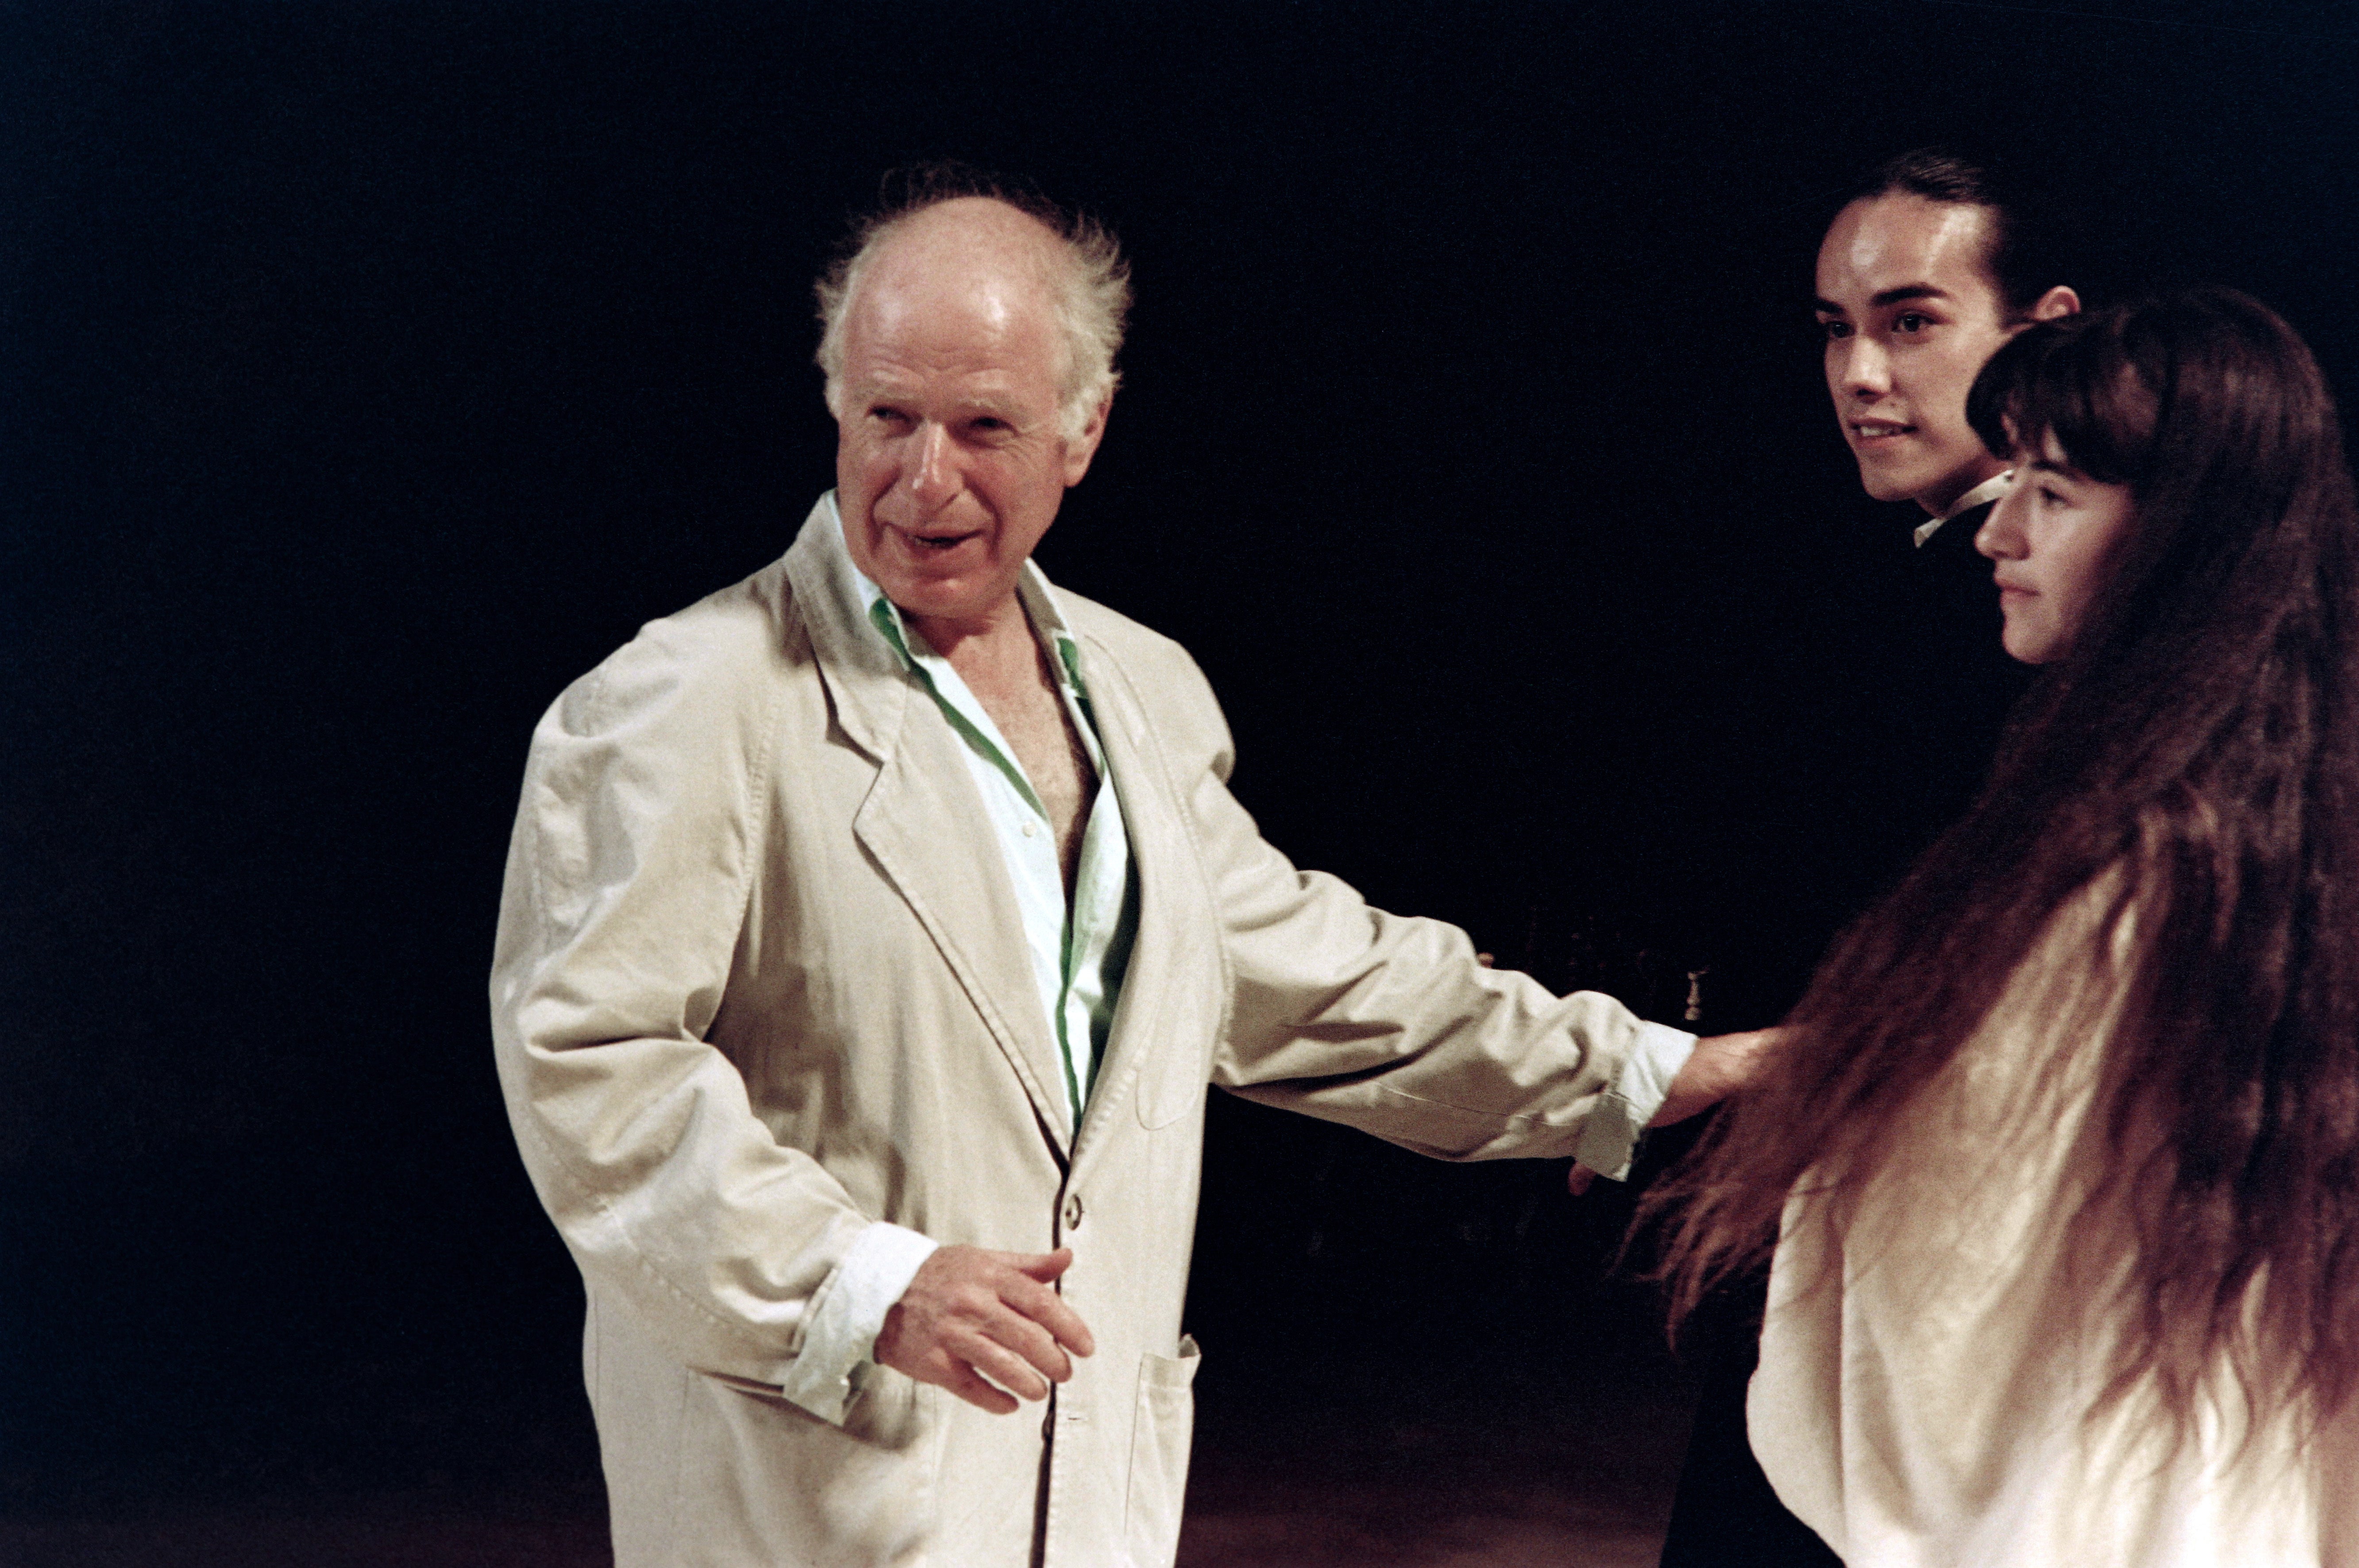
372	369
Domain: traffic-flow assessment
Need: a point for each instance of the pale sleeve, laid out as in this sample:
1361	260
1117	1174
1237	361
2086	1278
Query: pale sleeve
639	829
1609	1143
1390	1024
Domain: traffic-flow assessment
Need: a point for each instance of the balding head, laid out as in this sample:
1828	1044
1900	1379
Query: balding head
946	245
974	267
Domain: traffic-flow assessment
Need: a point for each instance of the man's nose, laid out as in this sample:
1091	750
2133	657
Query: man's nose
932	471
1864	370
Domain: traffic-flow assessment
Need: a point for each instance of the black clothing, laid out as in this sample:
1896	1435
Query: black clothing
1959	685
1968	682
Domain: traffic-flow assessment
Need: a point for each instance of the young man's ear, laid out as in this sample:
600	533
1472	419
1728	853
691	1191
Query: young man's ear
2058	301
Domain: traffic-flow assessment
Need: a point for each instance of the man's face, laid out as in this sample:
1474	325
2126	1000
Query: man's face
1911	315
949	460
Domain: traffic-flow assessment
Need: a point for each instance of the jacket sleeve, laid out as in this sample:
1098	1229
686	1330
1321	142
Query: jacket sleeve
638	834
1391	1024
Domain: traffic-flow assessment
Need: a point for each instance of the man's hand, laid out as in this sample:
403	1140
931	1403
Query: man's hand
972	1314
1717	1068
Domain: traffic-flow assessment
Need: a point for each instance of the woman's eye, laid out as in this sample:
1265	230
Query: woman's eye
1912	321
1835	330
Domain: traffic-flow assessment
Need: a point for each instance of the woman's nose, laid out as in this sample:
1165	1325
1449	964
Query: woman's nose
2001	535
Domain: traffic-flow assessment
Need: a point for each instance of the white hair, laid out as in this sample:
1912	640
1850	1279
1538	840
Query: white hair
1090	282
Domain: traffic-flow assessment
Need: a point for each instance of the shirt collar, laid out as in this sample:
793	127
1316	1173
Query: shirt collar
867	604
1981	494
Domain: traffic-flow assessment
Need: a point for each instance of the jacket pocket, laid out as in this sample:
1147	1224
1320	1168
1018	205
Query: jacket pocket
1163	1427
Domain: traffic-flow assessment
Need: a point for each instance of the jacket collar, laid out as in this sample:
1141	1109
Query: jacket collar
865	675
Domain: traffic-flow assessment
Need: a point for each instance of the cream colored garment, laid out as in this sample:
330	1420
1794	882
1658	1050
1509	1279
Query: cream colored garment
759	984
1925	1374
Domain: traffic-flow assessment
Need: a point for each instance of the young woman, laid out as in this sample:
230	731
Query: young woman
2060	1165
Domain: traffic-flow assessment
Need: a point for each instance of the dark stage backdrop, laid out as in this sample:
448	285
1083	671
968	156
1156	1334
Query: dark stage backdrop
372	369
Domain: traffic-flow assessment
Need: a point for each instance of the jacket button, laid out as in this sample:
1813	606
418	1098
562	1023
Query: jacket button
1072	1211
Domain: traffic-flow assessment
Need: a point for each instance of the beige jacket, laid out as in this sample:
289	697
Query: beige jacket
759	982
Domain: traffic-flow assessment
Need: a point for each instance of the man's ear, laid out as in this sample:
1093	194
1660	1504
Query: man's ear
1079	448
2058	301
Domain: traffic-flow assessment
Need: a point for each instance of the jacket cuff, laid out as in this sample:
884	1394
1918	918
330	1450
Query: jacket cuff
1609	1139
847	1314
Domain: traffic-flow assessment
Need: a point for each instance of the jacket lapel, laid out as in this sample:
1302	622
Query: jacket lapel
924	827
1161	858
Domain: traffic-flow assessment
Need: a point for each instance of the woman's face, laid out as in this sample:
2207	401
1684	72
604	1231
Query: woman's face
2051	535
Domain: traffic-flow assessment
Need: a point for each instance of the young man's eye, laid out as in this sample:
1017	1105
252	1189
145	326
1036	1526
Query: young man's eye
1912	322
1835	330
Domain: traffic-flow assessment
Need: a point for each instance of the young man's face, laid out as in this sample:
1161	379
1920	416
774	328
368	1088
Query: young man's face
1911	315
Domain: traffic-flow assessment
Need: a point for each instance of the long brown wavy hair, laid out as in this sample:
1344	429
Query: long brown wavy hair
2197	750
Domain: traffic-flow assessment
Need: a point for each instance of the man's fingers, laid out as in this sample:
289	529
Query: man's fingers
1006	1366
1578	1177
1016	1333
1039	1304
962	1381
1045	1266
1013	1352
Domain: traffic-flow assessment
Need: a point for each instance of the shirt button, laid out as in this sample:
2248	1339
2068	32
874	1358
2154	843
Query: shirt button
1027	830
1072	1211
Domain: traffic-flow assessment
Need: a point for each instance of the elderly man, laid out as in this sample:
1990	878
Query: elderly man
871	933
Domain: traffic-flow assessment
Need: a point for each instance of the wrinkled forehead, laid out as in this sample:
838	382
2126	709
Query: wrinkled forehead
957	293
971	244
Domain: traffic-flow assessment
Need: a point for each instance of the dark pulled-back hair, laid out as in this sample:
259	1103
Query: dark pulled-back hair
2032	244
2193	760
